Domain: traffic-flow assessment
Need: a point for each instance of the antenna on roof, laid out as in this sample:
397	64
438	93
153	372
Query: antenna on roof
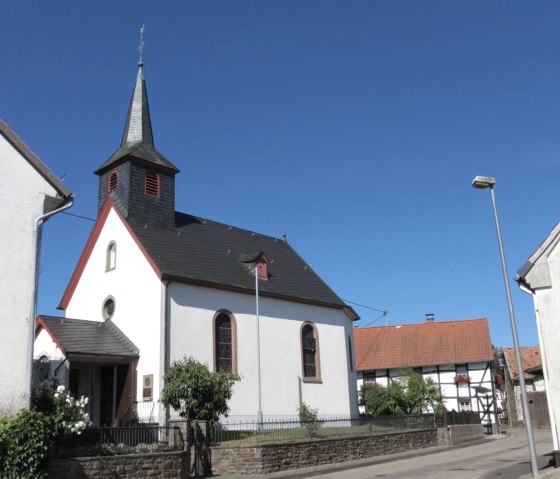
141	47
284	237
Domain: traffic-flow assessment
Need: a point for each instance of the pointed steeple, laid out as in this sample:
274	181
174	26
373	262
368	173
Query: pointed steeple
138	126
137	177
138	140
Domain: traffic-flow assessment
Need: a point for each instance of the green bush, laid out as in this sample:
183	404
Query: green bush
309	417
25	441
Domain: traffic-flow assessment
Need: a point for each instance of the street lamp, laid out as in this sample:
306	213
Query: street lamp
259	412
484	182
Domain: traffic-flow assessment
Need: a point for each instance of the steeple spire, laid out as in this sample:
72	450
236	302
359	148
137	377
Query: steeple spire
138	126
138	139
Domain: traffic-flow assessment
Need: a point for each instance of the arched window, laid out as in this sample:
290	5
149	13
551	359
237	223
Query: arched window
113	181
350	354
151	184
311	368
225	342
111	256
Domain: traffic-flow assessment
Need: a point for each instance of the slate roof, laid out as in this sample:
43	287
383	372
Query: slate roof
531	358
212	254
78	336
34	160
425	344
138	139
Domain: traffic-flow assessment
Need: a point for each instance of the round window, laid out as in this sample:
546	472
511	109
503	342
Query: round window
108	308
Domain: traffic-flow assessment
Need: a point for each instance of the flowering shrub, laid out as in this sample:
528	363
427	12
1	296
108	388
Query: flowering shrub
69	414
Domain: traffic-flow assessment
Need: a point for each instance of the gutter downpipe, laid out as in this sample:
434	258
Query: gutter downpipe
37	233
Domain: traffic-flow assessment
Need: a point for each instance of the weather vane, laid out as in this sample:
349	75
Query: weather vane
141	47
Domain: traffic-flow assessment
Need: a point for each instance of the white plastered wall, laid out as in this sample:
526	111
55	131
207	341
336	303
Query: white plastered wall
192	311
545	279
136	290
22	194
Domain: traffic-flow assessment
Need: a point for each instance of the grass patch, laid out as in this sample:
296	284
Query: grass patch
251	438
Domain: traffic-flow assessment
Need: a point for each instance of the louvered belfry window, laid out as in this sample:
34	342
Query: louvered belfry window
224	344
309	351
113	181
151	186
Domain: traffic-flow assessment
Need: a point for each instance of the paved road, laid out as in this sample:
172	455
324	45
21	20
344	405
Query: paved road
505	457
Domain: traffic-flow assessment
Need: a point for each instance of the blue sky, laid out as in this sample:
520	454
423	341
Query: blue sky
354	126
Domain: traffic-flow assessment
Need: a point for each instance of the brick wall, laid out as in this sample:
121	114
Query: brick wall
160	465
280	457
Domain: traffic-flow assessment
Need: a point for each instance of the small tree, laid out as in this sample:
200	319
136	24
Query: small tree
308	416
195	392
374	398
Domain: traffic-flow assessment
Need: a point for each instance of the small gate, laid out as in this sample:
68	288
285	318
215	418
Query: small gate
538	409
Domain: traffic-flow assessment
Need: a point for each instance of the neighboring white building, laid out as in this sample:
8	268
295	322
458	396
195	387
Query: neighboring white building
456	355
178	285
28	191
540	277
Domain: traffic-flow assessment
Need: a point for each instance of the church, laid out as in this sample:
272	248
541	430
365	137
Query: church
154	285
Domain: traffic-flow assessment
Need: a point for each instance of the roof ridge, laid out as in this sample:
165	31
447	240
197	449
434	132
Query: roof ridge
431	323
229	226
63	318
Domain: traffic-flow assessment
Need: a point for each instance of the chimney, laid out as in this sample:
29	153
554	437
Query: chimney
429	317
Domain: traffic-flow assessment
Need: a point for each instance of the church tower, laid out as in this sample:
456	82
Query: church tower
137	177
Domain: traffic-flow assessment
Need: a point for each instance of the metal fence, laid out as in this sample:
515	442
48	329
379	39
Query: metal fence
170	437
254	432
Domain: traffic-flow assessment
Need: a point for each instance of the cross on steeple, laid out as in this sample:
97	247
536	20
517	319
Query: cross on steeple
141	47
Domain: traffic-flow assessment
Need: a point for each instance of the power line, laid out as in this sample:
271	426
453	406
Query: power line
79	216
384	311
376	319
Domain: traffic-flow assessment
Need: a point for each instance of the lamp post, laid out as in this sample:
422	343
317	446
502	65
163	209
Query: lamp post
259	412
485	182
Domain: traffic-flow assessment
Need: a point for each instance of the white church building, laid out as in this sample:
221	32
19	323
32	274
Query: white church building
154	285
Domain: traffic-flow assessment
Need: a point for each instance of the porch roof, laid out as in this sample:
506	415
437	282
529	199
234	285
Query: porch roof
78	337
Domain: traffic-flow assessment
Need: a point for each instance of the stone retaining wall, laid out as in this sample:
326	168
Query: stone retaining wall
279	457
157	465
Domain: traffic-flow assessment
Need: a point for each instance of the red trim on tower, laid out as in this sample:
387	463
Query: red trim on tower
90	244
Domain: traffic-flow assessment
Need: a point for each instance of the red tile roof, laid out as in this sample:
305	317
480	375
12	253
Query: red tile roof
424	344
531	357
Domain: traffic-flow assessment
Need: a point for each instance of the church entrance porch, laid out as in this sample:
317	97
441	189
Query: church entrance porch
93	359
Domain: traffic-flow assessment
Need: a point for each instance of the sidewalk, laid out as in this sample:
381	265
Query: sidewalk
307	472
548	473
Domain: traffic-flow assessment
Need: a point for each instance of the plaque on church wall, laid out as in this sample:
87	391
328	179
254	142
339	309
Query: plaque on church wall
147	387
